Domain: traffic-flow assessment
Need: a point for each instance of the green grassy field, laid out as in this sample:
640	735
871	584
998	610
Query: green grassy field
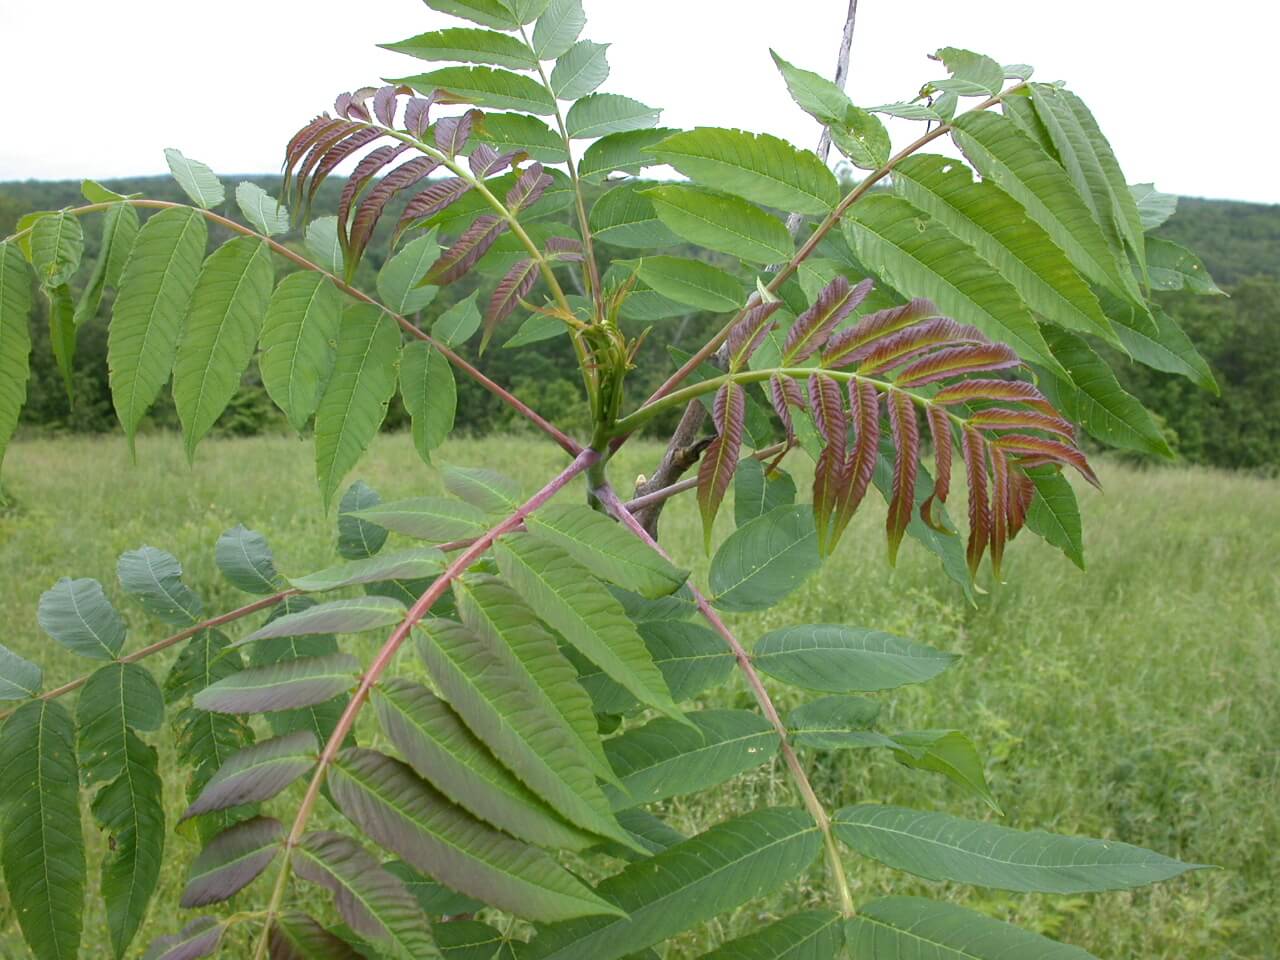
1137	701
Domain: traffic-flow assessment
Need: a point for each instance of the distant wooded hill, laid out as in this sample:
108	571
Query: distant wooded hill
1240	336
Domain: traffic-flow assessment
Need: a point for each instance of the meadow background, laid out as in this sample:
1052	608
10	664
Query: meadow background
1136	701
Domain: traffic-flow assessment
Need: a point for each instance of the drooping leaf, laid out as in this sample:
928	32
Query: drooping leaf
764	560
298	340
412	564
196	180
435	742
757	491
808	935
357	538
858	134
62	335
264	213
720	459
232	861
227	309
605	548
664	759
19	678
155	291
355	401
516	726
154	578
467	45
1174	267
120	227
1165	346
41	842
458	323
1055	515
79	616
395	807
325	245
1154	207
372	901
948	752
938	846
57	244
430	395
689	883
15	339
246	561
295	936
281	686
912	928
350	615
840	659
722	222
580	69
435	519
116	700
757	167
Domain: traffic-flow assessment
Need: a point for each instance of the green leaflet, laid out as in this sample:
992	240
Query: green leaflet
19	678
1054	513
497	615
319	719
399	280
119	229
199	938
994	224
154	578
624	216
692	282
412	564
1003	153
938	846
487	490
246	561
758	167
391	804
436	899
15	339
295	936
62	334
467	45
764	560
472	940
914	253
322	242
580	69
859	135
355	401
965	65
40	824
373	901
117	700
808	935
621	152
1087	157
436	519
665	759
458	323
227	307
1094	398
436	743
604	113
79	616
516	131
349	615
529	738
196	180
564	594
232	861
722	222
1165	347
912	928
57	243
265	214
756	493
1154	207
841	659
489	13
1174	267
834	723
689	883
257	772
358	539
607	549
299	343
558	28
948	752
286	685
486	87
146	319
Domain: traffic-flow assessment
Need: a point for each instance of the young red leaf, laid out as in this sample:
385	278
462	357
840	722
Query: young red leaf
452	133
1023	492
785	394
568	249
906	442
749	332
513	288
721	457
316	153
1004	418
384	105
317	130
828	476
467	249
1015	390
975	462
430	201
365	171
826	402
846	345
336	154
1037	448
955	361
417	115
940	435
864	403
909	344
999	506
370	210
528	188
812	328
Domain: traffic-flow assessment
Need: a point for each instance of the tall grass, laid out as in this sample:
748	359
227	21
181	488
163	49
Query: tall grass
1137	701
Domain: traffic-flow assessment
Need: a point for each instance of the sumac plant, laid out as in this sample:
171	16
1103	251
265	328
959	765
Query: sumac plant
533	699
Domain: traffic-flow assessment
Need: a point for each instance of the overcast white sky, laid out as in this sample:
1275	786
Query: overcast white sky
98	90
